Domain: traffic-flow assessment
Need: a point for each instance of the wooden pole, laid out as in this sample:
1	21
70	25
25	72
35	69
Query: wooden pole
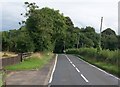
100	31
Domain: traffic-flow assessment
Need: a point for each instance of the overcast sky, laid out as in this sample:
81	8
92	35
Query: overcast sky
82	12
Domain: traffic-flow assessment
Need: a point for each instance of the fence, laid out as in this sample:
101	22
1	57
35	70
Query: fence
15	60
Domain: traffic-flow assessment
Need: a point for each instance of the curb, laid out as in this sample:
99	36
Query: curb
50	71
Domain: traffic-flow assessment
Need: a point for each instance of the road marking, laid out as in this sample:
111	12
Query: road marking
51	77
77	69
73	65
71	62
99	69
84	78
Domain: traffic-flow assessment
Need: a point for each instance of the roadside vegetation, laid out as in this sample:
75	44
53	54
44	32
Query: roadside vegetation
42	31
105	59
1	83
46	29
2	75
36	61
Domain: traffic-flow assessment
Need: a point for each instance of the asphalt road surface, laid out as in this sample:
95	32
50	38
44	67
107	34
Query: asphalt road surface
71	70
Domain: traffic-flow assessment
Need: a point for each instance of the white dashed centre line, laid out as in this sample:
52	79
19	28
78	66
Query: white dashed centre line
77	69
84	78
73	65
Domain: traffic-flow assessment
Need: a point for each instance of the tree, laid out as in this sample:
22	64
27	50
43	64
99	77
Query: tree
71	34
85	41
5	41
118	44
46	27
17	41
109	39
24	43
109	31
48	30
89	29
94	37
109	42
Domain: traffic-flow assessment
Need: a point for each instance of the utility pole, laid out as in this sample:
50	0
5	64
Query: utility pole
100	32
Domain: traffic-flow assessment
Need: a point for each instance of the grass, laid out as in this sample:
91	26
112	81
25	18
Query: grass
34	62
105	59
113	69
108	67
1	78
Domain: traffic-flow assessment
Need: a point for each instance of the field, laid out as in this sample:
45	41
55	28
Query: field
7	54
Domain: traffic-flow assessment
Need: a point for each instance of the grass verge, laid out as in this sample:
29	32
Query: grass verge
1	78
1	83
34	62
113	69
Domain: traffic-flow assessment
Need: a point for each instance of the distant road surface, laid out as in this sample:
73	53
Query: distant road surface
71	70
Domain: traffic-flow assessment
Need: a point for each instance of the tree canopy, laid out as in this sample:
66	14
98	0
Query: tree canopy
48	30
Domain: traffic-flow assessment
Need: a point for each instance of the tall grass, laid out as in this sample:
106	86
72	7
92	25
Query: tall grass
104	59
103	55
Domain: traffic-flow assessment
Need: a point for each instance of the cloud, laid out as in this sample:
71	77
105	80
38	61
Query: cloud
0	17
11	15
82	12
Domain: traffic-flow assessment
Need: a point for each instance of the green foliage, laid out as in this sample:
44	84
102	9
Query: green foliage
5	41
108	56
89	29
17	41
118	44
108	31
24	43
109	42
46	26
105	59
91	52
85	42
48	30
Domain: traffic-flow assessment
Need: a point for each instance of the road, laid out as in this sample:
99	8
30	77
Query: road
70	70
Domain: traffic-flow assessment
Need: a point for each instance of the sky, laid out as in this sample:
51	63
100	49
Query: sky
82	12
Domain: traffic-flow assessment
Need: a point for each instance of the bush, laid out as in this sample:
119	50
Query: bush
105	59
72	51
109	56
91	52
104	55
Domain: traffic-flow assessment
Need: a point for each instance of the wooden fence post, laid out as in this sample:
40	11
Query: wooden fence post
20	55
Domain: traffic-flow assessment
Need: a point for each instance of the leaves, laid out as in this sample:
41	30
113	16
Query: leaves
48	30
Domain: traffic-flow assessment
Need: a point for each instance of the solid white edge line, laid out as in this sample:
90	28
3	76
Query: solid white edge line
51	77
84	78
99	69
